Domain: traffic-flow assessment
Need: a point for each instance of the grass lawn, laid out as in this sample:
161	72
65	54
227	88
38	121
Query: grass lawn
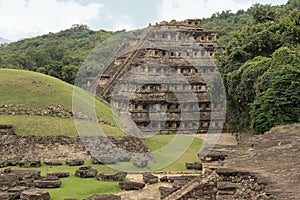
183	148
171	153
74	187
44	125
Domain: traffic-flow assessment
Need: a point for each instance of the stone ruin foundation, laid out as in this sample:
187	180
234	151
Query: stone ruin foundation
30	149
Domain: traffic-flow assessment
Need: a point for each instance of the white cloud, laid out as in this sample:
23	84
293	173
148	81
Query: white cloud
23	18
179	10
27	18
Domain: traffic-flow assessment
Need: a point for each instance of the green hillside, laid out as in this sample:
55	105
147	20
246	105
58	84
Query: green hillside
55	54
27	96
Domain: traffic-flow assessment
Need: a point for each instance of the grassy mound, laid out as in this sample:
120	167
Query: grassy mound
35	92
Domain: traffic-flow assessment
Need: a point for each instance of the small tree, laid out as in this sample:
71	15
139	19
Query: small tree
262	13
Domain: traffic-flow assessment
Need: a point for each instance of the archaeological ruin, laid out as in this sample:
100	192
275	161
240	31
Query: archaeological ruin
160	77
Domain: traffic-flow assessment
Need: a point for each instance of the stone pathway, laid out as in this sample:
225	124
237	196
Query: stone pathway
150	192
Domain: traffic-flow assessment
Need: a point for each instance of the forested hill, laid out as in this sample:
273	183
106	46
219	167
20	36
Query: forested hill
260	63
55	54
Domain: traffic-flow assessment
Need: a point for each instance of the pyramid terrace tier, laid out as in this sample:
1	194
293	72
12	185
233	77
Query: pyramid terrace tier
183	36
180	76
169	116
160	59
174	127
159	85
163	98
200	51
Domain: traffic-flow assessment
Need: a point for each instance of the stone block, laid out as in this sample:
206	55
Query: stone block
86	172
35	194
53	162
17	190
213	156
112	176
8	196
164	179
150	178
47	183
194	165
26	163
75	162
58	174
130	185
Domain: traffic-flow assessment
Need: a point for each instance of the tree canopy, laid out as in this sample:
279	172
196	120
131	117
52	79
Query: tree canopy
56	54
261	65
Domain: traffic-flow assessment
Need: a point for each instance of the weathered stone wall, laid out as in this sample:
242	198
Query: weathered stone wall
60	147
54	111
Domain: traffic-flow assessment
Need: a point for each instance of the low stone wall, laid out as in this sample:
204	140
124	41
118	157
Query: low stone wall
62	147
55	111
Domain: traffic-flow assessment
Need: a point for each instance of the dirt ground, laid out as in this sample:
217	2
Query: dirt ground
150	192
275	158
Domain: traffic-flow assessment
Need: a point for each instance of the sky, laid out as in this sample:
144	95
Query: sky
28	18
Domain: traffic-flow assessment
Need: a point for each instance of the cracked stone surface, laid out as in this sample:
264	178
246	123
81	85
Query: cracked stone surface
275	157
